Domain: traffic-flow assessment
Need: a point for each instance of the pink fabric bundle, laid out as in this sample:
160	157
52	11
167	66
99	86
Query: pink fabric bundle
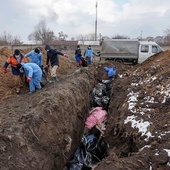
97	115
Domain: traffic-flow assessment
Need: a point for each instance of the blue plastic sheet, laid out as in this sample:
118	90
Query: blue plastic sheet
110	71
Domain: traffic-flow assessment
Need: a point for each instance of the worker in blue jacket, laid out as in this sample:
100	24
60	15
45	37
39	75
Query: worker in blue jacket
88	54
33	73
35	57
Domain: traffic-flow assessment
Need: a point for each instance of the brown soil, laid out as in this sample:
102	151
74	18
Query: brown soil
42	130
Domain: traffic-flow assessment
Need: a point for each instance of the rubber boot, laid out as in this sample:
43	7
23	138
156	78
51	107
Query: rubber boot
55	79
52	80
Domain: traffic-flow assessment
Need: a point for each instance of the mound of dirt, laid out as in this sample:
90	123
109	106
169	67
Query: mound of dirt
138	129
42	130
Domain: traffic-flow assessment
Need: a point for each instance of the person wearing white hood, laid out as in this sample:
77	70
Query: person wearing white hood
88	54
35	56
33	74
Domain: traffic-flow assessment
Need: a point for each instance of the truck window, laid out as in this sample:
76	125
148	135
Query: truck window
154	49
159	49
144	48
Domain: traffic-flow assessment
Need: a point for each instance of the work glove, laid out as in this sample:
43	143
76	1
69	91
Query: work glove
47	66
28	79
106	69
4	70
65	55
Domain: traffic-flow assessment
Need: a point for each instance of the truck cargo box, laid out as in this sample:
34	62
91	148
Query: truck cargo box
118	48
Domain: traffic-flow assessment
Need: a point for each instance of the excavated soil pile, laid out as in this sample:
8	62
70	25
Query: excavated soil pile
43	130
138	130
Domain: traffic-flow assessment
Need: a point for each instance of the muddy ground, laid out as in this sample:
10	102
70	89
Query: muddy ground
43	130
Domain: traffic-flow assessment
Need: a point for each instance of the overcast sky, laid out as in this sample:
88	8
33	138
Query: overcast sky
131	18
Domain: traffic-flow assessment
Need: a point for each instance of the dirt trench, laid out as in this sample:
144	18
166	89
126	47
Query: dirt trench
42	130
140	93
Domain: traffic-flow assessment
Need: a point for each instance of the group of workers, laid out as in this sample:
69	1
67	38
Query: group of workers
88	55
31	70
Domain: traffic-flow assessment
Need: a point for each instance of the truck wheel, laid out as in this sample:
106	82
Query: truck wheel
134	62
119	60
102	59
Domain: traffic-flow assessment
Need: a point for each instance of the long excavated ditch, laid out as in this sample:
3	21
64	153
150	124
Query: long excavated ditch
42	130
46	128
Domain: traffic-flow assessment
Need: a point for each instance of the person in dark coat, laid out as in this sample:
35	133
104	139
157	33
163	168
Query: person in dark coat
52	57
78	56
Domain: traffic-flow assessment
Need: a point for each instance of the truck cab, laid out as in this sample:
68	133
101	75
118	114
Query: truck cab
147	49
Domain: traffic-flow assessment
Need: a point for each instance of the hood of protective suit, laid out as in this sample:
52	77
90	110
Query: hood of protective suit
47	48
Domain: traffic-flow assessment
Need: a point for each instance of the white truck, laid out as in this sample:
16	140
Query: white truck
128	51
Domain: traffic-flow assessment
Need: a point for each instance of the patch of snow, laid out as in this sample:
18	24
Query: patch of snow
163	134
120	76
168	151
157	153
132	99
134	84
150	166
140	124
146	146
149	99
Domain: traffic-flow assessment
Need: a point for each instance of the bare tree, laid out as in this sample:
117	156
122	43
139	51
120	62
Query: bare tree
120	37
86	37
62	36
16	41
72	39
42	34
8	39
81	38
167	36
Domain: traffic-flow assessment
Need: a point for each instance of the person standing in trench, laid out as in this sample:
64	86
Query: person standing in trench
52	57
88	54
78	56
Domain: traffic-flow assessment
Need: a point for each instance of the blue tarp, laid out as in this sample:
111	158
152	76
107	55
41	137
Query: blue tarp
110	71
